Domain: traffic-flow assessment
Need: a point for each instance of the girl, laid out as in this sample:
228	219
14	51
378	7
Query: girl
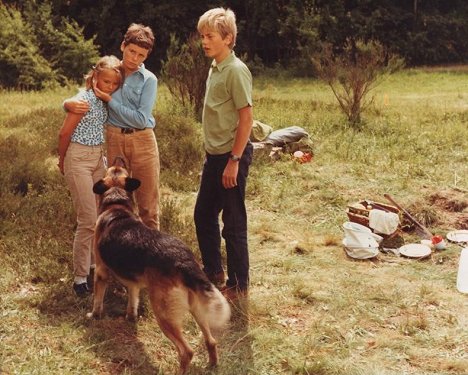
81	161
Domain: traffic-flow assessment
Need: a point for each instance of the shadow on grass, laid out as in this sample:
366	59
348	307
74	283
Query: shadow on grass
236	345
113	339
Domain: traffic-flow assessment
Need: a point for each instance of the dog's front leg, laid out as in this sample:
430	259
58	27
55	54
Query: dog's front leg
133	300
101	279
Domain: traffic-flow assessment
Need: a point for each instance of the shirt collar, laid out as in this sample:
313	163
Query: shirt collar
224	63
141	69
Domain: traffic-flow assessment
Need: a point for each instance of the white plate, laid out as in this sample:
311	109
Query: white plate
458	235
415	250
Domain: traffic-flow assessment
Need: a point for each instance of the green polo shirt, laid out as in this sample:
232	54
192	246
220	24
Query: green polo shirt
228	89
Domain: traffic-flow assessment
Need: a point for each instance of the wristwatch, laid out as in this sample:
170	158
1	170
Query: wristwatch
234	157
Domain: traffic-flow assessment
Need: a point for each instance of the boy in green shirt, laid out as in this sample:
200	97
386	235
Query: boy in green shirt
227	122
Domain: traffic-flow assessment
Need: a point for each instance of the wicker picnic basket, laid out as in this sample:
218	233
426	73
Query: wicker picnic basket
359	211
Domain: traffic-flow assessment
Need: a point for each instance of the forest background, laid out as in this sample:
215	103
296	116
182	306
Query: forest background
53	41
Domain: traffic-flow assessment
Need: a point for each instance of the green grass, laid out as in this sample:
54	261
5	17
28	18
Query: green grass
312	310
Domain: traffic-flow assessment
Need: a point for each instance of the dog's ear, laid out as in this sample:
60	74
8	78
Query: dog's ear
132	184
100	187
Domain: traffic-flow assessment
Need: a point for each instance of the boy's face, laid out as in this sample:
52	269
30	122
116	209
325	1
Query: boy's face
214	45
133	56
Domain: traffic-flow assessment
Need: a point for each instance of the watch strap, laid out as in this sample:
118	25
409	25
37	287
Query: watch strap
234	157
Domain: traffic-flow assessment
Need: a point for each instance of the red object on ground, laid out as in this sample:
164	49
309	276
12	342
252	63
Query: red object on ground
436	239
307	157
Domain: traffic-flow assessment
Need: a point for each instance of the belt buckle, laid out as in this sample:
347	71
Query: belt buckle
126	131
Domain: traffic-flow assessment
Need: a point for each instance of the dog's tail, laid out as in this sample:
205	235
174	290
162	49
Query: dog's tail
220	311
214	310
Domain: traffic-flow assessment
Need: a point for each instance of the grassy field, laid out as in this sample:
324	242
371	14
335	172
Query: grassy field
312	309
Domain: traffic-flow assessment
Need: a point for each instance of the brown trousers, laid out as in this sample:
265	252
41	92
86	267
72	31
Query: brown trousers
141	155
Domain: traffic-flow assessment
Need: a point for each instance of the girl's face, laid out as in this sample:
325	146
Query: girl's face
214	45
108	80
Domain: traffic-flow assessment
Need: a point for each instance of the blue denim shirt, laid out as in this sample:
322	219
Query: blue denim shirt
132	104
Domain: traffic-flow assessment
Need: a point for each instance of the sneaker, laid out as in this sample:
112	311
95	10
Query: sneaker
81	290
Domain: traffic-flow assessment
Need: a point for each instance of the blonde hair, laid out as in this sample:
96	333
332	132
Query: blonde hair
140	35
221	20
104	63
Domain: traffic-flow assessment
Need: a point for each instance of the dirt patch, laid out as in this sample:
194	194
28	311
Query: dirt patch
446	209
452	205
453	200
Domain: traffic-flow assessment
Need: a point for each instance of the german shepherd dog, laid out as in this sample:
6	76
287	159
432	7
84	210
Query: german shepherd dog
140	257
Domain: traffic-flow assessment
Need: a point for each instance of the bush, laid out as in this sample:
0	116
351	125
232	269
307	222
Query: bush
36	53
26	172
354	72
176	222
185	72
21	64
62	43
181	151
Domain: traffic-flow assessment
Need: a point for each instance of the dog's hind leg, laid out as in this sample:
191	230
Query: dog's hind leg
202	320
170	307
212	312
173	331
101	279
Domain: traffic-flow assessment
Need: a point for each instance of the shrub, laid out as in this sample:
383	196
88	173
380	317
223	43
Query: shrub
37	53
354	72
175	221
26	172
21	64
181	151
61	42
185	72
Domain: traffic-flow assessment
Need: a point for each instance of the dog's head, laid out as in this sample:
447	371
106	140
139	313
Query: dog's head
116	176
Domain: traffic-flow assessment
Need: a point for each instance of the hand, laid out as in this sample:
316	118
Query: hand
230	174
77	106
101	94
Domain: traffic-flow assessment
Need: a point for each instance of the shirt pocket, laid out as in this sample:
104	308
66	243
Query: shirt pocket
133	94
220	93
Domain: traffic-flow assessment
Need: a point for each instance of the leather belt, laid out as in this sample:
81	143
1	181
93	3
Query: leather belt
130	130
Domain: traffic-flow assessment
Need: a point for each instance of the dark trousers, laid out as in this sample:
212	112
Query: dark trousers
213	199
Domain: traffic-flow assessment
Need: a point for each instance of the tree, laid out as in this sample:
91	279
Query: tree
61	42
353	72
38	50
109	19
21	64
